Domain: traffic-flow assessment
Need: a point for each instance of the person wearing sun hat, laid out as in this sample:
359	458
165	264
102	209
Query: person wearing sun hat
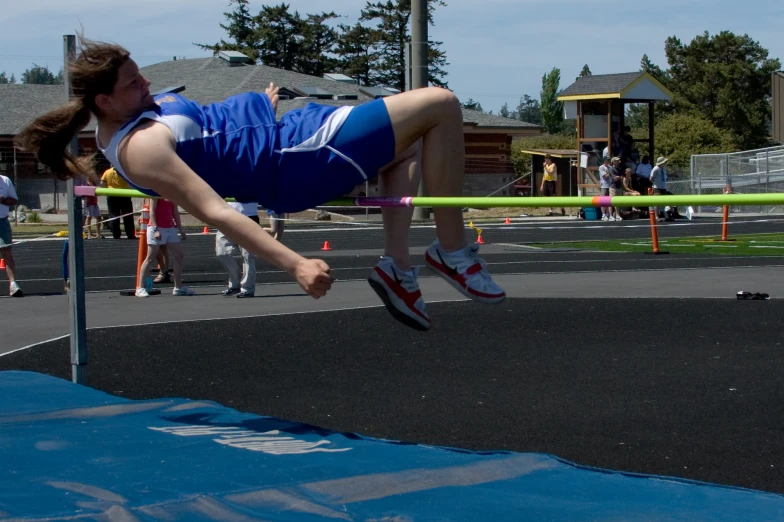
658	178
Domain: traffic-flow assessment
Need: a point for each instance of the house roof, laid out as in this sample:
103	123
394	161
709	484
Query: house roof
20	103
207	80
634	85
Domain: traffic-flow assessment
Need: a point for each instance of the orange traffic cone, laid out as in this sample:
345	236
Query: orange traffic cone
480	240
205	231
507	222
2	264
326	246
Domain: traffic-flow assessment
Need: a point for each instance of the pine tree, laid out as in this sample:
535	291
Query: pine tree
357	52
392	24
319	42
4	80
504	111
726	79
472	105
242	29
528	110
280	34
41	75
585	72
646	65
280	38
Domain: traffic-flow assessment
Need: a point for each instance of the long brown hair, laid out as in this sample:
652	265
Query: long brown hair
93	72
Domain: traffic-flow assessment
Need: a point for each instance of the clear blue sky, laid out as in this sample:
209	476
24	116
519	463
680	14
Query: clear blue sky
498	49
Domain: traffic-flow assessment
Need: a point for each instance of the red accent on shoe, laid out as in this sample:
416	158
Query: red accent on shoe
409	298
460	278
473	269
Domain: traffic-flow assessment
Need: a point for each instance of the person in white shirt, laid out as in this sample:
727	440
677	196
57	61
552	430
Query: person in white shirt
643	170
605	178
225	249
658	178
8	199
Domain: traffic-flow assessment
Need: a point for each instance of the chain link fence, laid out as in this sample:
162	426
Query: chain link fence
750	172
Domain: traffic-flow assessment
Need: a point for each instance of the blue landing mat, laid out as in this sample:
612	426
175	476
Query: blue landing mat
70	452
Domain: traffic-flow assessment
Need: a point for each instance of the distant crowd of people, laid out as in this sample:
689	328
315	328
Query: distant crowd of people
164	234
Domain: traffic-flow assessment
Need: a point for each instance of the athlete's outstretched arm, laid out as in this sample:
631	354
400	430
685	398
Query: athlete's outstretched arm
149	159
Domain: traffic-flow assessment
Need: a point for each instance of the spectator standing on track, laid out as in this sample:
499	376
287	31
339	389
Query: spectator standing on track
164	225
225	249
8	199
658	179
616	186
91	210
277	224
605	175
118	206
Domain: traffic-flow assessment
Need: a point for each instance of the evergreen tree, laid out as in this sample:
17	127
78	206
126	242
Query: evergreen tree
504	112
646	65
392	19
318	46
725	79
357	52
4	80
528	110
242	29
42	76
472	105
280	35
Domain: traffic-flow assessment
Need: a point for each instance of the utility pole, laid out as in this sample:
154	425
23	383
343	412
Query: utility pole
419	68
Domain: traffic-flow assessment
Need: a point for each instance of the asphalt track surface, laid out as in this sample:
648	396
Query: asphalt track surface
686	387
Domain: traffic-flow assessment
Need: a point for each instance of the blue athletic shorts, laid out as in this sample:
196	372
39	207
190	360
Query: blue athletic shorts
5	232
316	165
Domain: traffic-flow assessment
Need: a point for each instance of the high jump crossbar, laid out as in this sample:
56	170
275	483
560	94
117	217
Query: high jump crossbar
773	198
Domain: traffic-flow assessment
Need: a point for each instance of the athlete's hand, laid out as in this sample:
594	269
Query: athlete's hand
272	92
313	276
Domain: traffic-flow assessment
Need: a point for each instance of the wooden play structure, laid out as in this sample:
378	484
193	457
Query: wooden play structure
598	104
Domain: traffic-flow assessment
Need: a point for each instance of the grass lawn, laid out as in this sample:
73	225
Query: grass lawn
739	244
37	229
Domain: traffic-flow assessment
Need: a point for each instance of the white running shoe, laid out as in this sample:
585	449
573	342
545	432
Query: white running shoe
465	271
183	290
400	293
142	292
15	291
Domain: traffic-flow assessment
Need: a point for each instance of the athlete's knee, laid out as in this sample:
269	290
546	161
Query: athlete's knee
442	98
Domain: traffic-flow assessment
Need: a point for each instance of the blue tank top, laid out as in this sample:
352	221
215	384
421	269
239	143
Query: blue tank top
229	144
